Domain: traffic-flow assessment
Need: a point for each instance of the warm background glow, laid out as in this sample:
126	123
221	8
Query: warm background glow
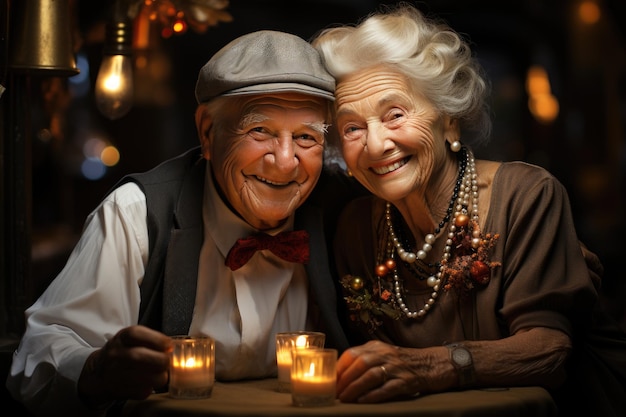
541	103
589	12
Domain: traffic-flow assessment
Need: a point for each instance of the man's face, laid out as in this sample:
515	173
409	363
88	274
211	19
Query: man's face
267	155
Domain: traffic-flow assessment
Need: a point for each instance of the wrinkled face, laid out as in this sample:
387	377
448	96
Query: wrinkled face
393	139
267	155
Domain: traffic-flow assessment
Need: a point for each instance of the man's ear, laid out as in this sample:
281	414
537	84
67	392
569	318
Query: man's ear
204	122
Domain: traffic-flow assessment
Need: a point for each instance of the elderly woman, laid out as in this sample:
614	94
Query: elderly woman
462	273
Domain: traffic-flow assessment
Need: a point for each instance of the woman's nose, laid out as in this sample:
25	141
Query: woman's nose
376	141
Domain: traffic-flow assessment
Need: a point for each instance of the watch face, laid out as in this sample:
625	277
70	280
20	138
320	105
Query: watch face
461	356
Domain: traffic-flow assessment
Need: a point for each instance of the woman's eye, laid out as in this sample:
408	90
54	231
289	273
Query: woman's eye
395	115
352	132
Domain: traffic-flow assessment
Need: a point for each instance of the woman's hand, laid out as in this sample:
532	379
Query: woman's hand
377	372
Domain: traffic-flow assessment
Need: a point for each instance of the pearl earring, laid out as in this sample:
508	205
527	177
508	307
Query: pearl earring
455	146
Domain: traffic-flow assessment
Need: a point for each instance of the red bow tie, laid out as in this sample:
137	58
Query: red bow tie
290	246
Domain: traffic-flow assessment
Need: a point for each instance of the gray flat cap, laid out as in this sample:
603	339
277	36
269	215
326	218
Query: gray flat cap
264	62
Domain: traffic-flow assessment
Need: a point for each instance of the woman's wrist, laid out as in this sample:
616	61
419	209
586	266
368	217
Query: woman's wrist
463	363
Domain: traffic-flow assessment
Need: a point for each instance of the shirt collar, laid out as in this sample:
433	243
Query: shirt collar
222	224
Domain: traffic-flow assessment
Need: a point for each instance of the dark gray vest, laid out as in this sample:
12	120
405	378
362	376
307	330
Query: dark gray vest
174	192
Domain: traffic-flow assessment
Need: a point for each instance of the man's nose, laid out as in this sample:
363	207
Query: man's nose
284	152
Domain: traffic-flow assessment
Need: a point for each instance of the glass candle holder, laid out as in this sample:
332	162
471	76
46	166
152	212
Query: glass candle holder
192	367
285	344
314	377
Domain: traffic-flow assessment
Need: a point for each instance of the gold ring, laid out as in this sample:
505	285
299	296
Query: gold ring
385	376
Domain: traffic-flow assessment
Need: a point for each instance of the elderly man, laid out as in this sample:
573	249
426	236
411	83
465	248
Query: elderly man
155	257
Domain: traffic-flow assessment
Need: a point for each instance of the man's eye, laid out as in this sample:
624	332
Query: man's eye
259	133
305	136
306	140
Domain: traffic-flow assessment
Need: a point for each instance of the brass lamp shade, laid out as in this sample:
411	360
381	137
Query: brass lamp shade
41	40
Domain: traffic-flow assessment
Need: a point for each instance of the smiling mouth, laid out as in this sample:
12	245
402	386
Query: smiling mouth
266	181
391	167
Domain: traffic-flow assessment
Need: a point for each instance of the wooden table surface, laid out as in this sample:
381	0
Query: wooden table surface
260	398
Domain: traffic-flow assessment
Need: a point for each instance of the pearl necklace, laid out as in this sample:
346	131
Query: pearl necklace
465	190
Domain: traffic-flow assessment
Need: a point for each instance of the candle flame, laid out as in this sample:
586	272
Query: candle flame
301	341
311	372
190	362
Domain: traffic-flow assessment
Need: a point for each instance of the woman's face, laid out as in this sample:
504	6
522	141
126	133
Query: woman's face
267	155
393	139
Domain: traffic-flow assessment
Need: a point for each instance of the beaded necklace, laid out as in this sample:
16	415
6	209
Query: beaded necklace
465	192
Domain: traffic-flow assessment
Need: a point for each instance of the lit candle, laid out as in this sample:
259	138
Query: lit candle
188	373
312	383
283	361
192	367
285	344
314	377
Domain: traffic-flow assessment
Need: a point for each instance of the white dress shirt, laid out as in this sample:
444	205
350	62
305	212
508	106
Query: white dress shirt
97	294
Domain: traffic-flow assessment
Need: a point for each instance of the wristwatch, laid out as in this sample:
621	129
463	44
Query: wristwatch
462	360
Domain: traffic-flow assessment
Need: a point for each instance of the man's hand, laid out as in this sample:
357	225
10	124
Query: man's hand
129	366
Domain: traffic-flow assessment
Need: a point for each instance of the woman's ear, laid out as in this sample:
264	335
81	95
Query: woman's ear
204	122
452	131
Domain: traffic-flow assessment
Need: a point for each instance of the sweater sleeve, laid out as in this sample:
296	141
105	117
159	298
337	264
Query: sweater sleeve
545	279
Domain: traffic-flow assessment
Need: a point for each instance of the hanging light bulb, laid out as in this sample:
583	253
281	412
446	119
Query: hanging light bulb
114	85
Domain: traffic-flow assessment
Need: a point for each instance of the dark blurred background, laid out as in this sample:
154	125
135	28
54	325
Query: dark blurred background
571	53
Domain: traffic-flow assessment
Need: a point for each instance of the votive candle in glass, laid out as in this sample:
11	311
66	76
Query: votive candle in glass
192	367
286	342
314	377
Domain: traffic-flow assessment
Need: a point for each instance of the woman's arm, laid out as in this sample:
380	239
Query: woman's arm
532	357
